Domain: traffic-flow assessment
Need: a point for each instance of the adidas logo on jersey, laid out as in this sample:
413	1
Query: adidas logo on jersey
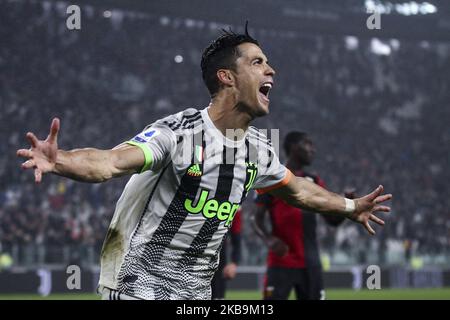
194	171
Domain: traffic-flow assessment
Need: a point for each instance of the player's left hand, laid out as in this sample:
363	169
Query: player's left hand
229	271
350	193
366	206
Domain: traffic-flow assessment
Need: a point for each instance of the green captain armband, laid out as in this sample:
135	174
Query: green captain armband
148	154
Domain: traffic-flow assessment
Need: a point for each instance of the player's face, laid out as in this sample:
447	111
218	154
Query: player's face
305	151
254	79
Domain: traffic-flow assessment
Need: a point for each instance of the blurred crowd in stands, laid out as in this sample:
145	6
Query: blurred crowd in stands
377	110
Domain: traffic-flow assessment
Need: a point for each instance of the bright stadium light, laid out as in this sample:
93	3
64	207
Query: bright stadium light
189	23
414	8
164	20
395	44
405	8
427	8
380	48
351	42
178	58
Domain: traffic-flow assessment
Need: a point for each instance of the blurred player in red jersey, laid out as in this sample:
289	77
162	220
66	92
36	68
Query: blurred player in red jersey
293	260
227	270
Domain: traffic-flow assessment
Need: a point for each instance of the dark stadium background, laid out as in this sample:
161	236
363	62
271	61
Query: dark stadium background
375	102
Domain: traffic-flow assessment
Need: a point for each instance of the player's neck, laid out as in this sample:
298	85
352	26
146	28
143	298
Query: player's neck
225	116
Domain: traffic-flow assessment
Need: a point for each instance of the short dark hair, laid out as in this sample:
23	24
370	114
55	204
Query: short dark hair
222	54
292	138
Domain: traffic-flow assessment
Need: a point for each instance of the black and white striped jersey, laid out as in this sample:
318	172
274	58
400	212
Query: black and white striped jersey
167	230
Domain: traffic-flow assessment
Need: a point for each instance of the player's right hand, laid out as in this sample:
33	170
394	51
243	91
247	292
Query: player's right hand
42	155
278	246
229	271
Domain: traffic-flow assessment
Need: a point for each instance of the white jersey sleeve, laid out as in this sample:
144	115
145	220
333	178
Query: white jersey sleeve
157	141
271	173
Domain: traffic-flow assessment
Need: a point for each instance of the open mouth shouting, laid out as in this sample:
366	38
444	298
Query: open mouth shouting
264	90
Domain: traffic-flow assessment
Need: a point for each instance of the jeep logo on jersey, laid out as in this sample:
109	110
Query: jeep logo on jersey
145	136
212	208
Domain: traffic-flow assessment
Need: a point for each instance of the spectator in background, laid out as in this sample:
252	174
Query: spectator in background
293	261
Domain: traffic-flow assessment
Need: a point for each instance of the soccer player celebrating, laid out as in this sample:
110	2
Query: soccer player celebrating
293	259
167	229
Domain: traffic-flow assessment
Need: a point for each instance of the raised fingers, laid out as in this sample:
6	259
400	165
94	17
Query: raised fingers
368	228
54	128
383	198
25	153
377	220
375	193
382	208
37	175
28	164
33	139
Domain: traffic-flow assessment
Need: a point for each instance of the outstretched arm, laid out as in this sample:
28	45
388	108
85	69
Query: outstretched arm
88	165
302	193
